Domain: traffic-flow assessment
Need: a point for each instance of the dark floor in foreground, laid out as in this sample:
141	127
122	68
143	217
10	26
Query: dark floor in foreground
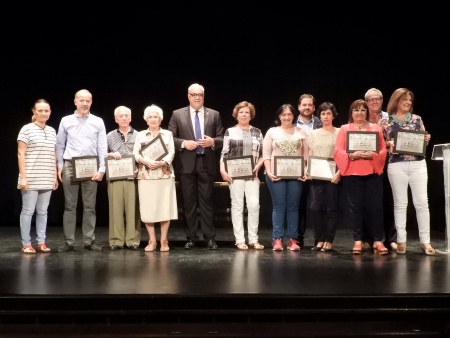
223	293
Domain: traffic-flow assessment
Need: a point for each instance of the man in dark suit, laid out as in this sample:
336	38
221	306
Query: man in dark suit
196	163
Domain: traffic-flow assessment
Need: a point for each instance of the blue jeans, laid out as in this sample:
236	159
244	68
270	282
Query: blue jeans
34	200
285	202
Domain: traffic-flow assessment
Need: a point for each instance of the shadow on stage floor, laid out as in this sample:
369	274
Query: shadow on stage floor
223	293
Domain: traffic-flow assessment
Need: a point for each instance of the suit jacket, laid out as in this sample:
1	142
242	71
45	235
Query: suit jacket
180	125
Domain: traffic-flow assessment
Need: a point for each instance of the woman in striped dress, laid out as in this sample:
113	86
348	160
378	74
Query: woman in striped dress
37	174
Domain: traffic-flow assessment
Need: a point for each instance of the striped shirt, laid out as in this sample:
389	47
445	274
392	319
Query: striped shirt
117	143
40	157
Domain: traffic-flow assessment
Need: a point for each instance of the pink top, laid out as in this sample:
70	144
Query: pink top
277	142
359	167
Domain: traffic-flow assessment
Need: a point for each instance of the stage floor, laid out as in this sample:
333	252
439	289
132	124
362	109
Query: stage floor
222	272
214	288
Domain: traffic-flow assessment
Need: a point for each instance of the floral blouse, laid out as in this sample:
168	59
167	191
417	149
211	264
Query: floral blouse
391	125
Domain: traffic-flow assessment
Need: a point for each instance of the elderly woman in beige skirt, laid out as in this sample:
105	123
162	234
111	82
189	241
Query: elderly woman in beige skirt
156	178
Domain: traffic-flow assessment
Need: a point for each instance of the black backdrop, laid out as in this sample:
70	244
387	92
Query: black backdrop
138	53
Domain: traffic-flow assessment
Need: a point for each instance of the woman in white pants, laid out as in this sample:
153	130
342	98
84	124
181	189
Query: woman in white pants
407	170
243	140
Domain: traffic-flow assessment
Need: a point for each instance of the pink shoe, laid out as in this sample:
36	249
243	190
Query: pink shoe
277	245
293	245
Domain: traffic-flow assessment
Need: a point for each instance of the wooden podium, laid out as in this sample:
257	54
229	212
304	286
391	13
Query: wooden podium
441	152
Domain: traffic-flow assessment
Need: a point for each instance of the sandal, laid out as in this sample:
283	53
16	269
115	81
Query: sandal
242	246
429	251
43	248
380	249
401	248
357	249
327	247
257	246
28	249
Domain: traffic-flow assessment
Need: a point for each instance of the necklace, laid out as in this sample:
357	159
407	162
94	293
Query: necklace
361	126
406	119
43	129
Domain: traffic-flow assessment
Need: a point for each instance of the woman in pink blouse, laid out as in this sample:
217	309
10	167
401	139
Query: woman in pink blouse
362	183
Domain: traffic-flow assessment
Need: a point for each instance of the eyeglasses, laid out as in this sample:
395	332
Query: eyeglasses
374	99
359	110
196	95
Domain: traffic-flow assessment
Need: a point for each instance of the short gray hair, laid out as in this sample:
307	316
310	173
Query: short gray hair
153	109
373	90
122	109
196	86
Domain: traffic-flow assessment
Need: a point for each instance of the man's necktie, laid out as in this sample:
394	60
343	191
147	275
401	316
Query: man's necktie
198	132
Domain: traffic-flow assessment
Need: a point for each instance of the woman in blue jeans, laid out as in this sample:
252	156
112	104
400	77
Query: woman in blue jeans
37	174
284	140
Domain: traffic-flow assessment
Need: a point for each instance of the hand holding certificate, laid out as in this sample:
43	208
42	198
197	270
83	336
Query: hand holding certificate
84	167
362	141
239	167
410	142
123	168
321	168
289	167
155	149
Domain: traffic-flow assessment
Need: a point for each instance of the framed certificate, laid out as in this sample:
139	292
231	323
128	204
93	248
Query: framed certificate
155	149
410	142
84	167
120	169
239	166
290	167
362	141
321	168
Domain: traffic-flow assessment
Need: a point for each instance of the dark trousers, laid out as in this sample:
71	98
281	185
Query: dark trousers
390	231
324	209
364	198
197	191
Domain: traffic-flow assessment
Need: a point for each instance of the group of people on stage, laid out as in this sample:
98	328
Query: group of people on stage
194	137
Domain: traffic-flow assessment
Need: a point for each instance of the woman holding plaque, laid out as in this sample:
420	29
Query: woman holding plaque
281	142
324	193
37	174
154	152
243	140
361	162
407	169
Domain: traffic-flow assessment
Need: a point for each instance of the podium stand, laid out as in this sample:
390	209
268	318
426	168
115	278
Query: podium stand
442	152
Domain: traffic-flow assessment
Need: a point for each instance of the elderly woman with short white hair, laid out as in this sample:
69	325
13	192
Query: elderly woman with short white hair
154	151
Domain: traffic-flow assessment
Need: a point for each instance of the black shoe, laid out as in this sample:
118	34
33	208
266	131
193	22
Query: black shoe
211	243
115	247
190	245
93	247
300	241
66	247
134	247
316	248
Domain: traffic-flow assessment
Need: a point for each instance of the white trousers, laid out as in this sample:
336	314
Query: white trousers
414	174
250	190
